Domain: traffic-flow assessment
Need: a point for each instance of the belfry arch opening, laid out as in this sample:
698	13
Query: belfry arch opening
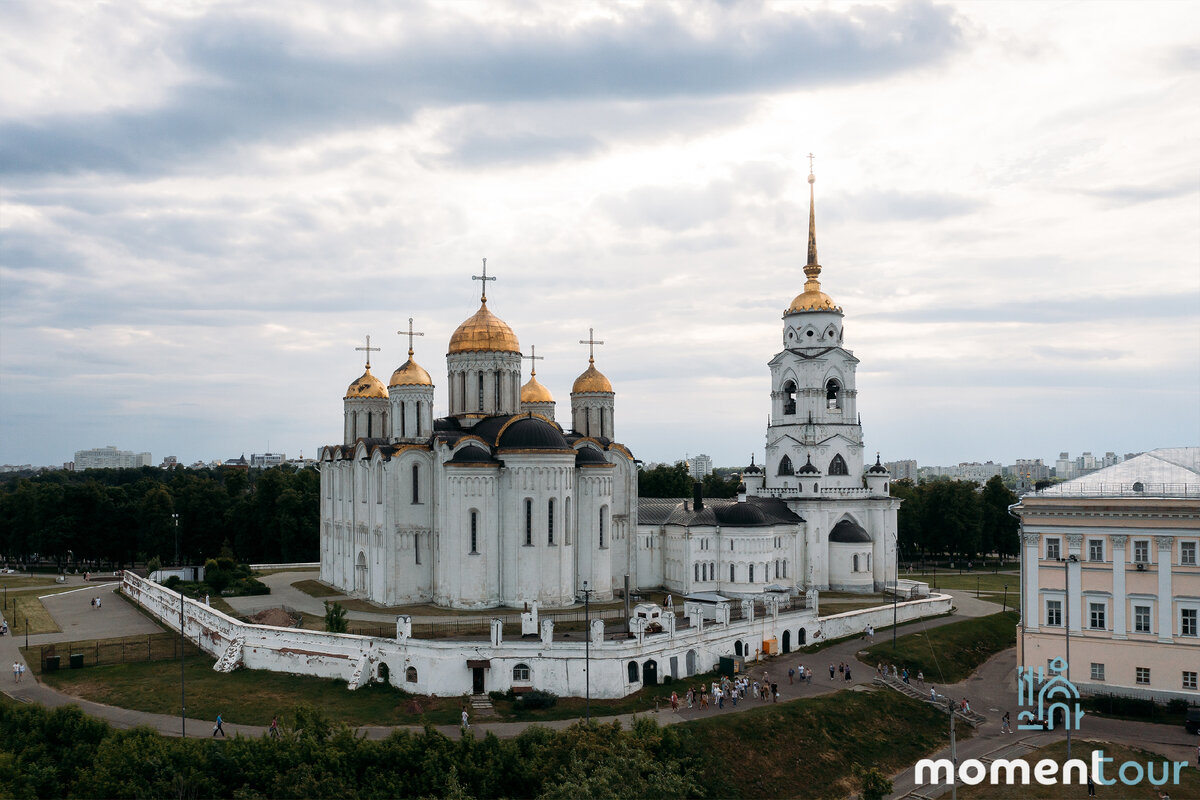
838	466
785	466
789	397
833	394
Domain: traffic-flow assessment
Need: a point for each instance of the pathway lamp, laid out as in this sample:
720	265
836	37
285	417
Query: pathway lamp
587	651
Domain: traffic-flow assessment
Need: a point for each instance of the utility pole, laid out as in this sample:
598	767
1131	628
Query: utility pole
182	692
587	651
953	752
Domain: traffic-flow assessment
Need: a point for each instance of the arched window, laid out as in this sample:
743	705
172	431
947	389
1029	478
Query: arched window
603	520
833	394
785	466
868	562
379	483
403	419
474	531
838	466
410	675
696	569
785	568
480	408
497	392
550	521
370	426
528	522
712	570
567	521
416	484
521	673
732	574
856	562
789	397
751	573
704	572
633	672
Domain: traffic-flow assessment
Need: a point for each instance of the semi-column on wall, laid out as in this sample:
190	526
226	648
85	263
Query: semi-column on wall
1031	604
1120	627
1074	578
1166	609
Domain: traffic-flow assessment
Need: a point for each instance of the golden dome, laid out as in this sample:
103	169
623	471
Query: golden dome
367	387
535	392
410	373
812	300
592	380
484	331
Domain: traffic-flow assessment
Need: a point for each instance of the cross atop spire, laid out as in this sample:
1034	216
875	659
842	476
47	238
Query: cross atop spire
369	350
810	163
591	341
533	359
410	333
484	277
812	221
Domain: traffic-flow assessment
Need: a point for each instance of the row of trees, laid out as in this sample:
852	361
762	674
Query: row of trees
955	518
117	516
674	480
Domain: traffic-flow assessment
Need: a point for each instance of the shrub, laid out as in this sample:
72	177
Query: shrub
537	699
226	564
335	618
253	586
172	583
1177	706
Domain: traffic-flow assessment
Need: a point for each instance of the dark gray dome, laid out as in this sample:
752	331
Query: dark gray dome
847	532
741	514
753	469
472	454
589	455
532	433
878	469
808	468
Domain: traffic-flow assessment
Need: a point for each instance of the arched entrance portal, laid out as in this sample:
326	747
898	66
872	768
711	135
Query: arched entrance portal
650	673
360	573
691	662
737	647
787	641
801	637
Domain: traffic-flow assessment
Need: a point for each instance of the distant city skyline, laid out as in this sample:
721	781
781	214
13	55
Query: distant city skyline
205	208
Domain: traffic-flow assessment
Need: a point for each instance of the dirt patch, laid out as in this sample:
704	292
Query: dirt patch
276	617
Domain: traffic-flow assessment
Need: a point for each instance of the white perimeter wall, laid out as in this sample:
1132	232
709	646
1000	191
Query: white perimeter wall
559	666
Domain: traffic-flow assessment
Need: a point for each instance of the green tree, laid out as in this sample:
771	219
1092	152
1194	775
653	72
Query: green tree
875	785
951	517
998	526
665	481
335	617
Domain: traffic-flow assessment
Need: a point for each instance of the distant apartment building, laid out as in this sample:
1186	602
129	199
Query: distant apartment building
699	466
903	470
169	462
111	458
966	471
1113	558
1031	470
266	460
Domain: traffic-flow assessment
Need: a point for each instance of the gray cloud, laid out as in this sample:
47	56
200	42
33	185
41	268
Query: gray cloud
898	206
262	81
1054	310
1146	193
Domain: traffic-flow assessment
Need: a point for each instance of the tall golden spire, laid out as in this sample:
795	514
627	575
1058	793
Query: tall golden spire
812	299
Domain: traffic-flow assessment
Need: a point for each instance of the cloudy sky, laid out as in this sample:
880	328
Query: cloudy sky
205	207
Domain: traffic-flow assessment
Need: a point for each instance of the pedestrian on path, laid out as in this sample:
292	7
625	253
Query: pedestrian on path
674	701
831	671
1091	785
16	672
921	677
274	731
20	672
791	675
1006	727
847	673
219	727
466	721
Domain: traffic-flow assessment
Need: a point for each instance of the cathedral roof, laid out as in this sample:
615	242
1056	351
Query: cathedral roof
679	511
534	392
484	332
531	433
366	387
812	298
592	380
589	455
847	532
472	454
410	373
741	515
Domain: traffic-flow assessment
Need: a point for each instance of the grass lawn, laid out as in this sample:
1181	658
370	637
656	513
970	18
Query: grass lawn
1188	787
987	581
23	581
808	748
949	653
249	697
27	607
314	588
258	573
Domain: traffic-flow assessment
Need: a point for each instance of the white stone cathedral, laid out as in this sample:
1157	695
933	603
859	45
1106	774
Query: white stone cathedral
496	504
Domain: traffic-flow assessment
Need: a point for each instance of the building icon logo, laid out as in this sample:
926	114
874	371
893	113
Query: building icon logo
1047	700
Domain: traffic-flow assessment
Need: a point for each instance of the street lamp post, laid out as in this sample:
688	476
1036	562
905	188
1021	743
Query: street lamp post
587	652
896	590
1070	559
176	518
182	691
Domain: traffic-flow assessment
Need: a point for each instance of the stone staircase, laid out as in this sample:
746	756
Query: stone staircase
361	670
972	718
481	706
231	659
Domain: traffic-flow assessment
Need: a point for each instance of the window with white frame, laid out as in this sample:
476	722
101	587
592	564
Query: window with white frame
1142	675
1097	671
1054	613
1187	554
1141	551
1053	548
1096	616
1141	619
1189	680
521	673
1095	549
1187	622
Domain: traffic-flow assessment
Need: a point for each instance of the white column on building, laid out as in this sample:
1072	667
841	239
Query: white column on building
1120	627
1074	578
1031	604
1166	609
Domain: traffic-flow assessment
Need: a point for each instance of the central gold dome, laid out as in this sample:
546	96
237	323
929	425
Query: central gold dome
592	380
484	332
367	387
535	392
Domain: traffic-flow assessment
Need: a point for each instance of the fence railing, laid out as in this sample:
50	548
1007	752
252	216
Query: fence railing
127	650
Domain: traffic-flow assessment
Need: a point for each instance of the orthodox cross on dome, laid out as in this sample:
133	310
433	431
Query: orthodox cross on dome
533	358
591	341
810	163
484	277
410	333
369	350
